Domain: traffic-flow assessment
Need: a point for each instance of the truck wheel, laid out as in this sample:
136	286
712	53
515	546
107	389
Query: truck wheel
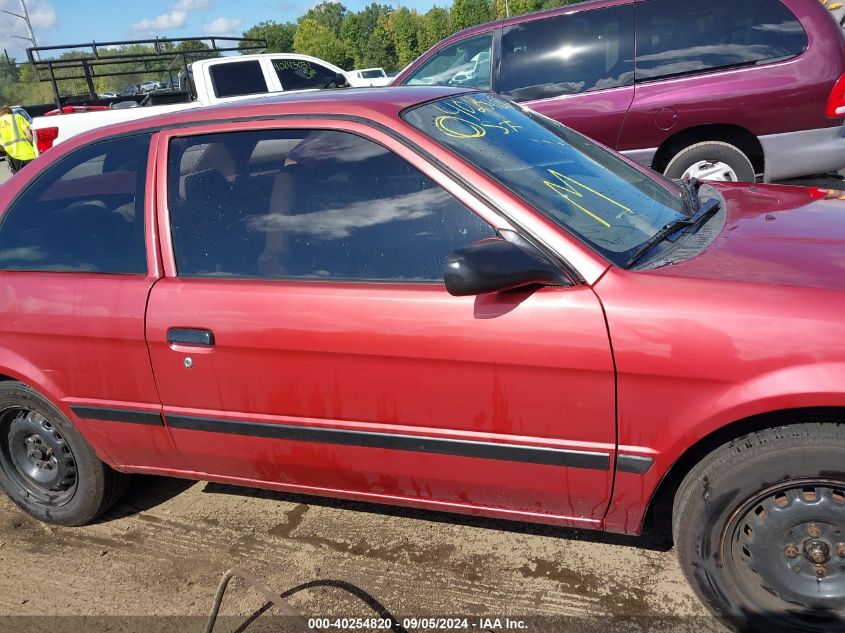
46	466
711	160
759	529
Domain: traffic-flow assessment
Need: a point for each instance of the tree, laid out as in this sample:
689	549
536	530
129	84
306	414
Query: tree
279	37
435	27
404	26
313	38
466	13
357	29
328	14
380	50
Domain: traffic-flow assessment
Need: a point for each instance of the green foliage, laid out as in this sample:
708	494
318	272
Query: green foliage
314	38
329	14
466	13
279	37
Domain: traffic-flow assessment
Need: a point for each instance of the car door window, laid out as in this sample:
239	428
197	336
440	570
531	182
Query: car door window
234	79
464	63
680	38
296	74
309	204
85	213
568	54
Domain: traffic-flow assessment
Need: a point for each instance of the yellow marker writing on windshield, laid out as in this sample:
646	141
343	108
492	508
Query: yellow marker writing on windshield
568	187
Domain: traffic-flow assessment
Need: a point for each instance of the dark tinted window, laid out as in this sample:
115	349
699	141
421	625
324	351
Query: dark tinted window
309	204
85	213
238	78
298	74
568	54
677	38
464	63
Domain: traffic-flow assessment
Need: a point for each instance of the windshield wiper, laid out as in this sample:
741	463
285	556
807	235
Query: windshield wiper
703	213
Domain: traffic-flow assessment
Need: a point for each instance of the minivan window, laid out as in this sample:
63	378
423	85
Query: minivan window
235	79
465	63
85	213
598	197
568	54
680	38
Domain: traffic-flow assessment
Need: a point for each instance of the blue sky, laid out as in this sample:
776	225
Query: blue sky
74	21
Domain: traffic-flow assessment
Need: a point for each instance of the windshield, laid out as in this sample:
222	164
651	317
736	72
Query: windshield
584	188
371	74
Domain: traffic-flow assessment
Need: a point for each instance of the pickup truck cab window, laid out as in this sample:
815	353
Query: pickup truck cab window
235	79
309	204
84	214
296	74
464	63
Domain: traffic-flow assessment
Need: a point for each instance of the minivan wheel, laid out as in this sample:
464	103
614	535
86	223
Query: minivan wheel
46	466
759	529
711	160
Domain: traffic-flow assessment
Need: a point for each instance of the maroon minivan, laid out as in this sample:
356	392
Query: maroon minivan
713	89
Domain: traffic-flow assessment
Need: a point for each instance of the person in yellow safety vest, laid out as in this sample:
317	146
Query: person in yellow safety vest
16	138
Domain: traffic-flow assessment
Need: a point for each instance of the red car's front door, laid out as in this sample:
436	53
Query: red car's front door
303	339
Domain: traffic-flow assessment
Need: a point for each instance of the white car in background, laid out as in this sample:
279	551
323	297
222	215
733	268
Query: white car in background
368	77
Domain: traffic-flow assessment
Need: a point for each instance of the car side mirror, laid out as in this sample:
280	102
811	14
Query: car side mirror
340	80
495	265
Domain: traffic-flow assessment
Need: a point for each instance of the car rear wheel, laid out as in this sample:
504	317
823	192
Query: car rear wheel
711	160
759	529
46	466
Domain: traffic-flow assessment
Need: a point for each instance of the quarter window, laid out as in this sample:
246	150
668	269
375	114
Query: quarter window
309	204
464	63
681	38
568	54
84	214
235	79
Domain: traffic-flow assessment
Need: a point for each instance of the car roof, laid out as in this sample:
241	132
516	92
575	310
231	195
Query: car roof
383	104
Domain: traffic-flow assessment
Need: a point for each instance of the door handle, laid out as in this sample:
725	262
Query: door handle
193	337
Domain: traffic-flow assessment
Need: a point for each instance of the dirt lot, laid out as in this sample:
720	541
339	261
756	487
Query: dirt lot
163	549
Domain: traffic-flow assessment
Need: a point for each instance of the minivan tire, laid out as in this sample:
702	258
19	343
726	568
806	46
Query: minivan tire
749	520
46	466
712	152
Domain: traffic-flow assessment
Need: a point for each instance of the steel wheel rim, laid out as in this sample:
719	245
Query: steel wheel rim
711	170
784	549
36	458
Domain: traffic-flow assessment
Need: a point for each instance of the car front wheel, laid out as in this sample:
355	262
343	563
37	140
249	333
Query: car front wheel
759	528
46	466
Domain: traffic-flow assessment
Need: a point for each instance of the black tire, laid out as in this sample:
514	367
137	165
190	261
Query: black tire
740	515
46	466
711	151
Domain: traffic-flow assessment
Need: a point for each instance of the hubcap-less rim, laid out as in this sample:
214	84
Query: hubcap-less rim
711	170
785	549
36	458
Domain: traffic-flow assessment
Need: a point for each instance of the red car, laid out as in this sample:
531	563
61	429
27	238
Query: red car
434	298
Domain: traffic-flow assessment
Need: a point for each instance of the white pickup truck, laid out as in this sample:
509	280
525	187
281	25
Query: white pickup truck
213	81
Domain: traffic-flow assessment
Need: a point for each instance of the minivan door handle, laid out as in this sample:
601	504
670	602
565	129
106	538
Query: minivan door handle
193	337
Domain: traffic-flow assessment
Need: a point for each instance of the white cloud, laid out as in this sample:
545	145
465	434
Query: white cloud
163	22
173	19
42	15
192	5
222	26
